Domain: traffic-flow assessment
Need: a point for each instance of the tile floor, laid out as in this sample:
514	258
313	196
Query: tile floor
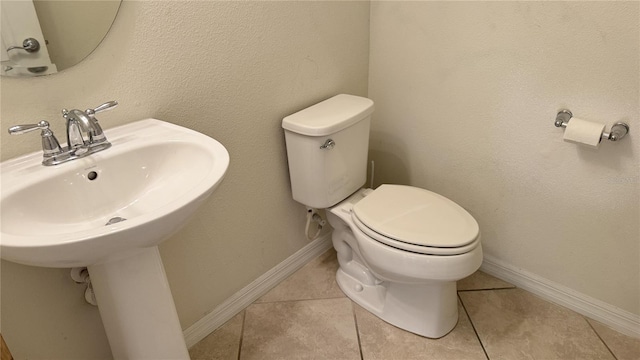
308	317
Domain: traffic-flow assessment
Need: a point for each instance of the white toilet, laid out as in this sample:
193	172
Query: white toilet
401	249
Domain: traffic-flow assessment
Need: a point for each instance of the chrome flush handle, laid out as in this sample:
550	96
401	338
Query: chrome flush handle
328	145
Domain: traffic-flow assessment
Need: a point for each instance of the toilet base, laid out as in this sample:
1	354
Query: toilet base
429	310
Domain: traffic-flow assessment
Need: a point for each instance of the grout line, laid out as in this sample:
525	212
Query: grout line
355	321
599	337
494	289
244	319
488	289
295	300
473	327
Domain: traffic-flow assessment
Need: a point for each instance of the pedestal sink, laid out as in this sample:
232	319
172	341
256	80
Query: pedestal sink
108	212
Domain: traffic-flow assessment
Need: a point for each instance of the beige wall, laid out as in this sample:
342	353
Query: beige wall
231	70
466	94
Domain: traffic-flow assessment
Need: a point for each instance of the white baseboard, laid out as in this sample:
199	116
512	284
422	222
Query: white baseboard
614	317
250	293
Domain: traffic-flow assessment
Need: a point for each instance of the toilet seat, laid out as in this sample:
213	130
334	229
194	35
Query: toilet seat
416	220
426	250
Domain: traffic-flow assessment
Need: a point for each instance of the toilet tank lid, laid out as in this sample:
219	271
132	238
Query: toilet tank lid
329	116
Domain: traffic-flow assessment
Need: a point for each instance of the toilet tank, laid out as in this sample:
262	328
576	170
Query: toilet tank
323	174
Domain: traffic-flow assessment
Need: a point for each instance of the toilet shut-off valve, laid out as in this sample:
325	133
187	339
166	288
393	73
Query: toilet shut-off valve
314	217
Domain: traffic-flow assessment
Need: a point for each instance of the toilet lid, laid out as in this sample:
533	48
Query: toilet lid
416	216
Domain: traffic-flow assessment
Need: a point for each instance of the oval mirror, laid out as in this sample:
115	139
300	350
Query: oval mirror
43	37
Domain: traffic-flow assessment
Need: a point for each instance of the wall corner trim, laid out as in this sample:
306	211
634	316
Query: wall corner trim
260	286
612	316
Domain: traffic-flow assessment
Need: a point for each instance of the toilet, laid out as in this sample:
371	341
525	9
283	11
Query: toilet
400	248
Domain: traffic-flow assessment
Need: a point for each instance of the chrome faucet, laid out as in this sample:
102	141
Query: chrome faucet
84	135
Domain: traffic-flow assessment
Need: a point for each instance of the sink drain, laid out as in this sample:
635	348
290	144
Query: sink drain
114	220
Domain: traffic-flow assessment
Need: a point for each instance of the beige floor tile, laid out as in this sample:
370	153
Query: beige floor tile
311	329
380	340
623	347
222	344
482	281
514	324
315	280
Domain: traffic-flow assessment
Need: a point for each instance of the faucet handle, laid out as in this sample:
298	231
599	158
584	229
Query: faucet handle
104	107
23	129
51	149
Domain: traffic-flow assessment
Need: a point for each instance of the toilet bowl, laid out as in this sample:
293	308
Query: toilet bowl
401	249
415	291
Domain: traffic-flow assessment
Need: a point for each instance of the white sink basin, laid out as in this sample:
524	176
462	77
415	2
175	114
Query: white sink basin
155	175
109	211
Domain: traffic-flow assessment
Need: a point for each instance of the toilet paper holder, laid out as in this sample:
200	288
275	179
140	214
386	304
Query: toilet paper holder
618	130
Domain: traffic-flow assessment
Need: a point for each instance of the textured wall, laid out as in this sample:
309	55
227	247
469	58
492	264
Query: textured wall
466	94
231	70
465	98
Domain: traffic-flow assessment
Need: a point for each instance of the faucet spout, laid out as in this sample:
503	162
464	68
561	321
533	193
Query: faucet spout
83	129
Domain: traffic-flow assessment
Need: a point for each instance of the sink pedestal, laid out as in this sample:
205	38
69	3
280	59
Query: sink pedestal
137	308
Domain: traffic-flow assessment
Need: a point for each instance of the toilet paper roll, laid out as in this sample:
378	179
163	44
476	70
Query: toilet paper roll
584	132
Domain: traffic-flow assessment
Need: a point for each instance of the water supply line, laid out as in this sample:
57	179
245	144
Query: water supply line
314	216
372	173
